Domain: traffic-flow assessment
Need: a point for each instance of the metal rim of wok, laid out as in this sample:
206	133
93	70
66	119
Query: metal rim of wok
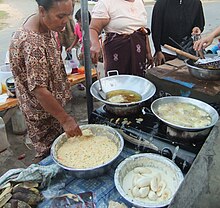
202	73
133	160
175	99
137	84
94	171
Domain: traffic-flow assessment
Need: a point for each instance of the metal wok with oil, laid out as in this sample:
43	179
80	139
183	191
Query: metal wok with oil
177	99
137	84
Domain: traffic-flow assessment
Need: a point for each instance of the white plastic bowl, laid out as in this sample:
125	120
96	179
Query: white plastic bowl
163	164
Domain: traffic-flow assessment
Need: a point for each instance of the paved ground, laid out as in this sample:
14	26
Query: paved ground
18	11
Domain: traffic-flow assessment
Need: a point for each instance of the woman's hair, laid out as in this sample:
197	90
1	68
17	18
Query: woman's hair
47	4
78	16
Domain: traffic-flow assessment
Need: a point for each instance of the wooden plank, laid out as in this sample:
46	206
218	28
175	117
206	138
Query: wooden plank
10	103
77	78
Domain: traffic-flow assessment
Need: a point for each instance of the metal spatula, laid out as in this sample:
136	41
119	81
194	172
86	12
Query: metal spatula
209	63
100	91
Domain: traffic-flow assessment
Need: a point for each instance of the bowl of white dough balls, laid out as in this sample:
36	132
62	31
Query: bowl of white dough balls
148	180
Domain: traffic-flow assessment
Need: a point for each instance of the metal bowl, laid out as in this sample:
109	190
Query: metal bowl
202	73
137	84
177	99
94	171
150	160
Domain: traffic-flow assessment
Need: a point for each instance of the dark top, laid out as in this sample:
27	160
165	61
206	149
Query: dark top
175	19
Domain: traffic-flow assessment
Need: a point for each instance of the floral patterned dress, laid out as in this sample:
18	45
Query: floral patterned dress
36	62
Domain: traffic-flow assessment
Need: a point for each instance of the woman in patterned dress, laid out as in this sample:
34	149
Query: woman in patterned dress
41	82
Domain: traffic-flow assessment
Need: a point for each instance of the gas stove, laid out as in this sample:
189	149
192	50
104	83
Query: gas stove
144	132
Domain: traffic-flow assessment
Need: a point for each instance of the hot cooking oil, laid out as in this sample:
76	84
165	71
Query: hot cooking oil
123	96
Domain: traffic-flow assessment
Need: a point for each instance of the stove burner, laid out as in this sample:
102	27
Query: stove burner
146	133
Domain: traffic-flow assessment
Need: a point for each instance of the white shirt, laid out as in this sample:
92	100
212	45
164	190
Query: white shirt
125	17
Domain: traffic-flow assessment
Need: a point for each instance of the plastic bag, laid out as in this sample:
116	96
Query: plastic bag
57	197
82	200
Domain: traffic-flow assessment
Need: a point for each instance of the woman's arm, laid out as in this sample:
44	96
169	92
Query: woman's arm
53	107
95	29
73	44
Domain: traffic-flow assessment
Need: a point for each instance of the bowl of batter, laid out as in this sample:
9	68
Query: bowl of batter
91	154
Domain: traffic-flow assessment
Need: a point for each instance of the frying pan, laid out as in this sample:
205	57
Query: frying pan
140	85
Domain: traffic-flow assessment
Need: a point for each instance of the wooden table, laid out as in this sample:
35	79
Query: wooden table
10	103
77	78
174	78
73	78
8	108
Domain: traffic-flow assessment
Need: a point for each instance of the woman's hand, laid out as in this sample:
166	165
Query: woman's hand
71	127
150	60
95	51
69	49
159	58
53	107
205	42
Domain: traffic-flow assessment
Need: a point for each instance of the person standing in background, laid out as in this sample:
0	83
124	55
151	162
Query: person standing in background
126	46
174	19
67	35
78	33
42	86
78	39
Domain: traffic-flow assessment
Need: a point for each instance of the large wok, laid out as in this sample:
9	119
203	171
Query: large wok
175	99
202	73
137	84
